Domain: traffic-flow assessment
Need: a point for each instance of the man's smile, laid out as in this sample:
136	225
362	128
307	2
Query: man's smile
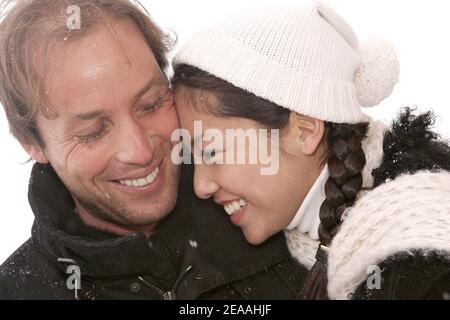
144	183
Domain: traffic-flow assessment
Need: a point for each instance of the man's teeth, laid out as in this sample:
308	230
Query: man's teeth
235	206
139	183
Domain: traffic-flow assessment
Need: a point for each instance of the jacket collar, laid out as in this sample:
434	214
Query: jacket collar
59	233
201	226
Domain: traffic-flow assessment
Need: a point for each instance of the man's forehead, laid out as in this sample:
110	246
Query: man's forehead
98	51
98	72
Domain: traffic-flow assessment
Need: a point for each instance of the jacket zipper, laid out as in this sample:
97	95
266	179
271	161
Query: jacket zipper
167	295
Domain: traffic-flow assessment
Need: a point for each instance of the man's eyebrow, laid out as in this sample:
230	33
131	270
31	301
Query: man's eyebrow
88	116
148	86
144	89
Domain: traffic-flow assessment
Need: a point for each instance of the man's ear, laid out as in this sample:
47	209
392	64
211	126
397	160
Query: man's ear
307	131
35	152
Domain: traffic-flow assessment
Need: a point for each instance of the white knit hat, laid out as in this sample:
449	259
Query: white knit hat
307	60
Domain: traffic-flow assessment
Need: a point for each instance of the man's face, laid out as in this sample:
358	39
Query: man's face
110	140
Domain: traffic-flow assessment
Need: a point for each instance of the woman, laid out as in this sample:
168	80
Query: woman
366	207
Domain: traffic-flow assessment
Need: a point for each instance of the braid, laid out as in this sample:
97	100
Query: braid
345	160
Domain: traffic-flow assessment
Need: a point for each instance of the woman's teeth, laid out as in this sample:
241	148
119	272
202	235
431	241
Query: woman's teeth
142	182
235	206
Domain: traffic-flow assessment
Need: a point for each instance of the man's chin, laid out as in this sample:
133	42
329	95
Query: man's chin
145	218
151	211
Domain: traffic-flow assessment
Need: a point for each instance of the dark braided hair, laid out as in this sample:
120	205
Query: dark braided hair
346	160
345	157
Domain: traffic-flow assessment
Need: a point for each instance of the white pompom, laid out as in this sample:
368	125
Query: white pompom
379	71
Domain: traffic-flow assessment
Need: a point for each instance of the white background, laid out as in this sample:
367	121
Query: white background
419	30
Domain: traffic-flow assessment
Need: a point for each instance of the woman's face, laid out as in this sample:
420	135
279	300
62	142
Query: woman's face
261	205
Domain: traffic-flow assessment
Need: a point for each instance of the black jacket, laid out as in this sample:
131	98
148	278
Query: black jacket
410	277
196	253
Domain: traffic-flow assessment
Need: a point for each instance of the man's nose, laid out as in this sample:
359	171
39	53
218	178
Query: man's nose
204	185
135	146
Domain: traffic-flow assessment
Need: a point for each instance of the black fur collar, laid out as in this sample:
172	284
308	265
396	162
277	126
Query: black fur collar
411	146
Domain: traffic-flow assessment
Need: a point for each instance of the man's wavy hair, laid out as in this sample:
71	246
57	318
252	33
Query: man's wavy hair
29	27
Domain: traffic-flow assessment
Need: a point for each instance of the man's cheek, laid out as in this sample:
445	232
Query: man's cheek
83	162
169	126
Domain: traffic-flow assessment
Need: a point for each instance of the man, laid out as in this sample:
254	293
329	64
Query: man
89	101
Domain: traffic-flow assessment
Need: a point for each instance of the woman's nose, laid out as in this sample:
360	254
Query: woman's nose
204	184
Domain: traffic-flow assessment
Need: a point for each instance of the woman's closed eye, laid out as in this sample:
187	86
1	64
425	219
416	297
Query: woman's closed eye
209	154
213	156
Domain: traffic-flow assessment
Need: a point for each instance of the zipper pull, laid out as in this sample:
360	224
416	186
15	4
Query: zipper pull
178	281
169	295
